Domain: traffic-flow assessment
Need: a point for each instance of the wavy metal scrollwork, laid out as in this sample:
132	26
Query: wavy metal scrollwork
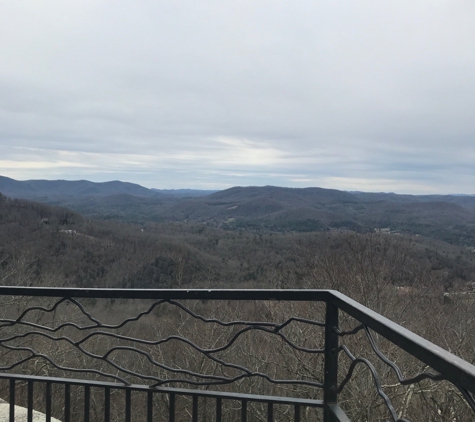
94	329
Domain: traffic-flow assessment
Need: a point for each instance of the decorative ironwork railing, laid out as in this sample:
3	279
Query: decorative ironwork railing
275	355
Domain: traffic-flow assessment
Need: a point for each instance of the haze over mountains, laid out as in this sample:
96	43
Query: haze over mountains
447	217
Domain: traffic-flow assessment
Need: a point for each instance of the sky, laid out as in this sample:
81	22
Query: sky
352	95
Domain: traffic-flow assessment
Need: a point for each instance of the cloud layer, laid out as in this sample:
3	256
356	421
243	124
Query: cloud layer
368	95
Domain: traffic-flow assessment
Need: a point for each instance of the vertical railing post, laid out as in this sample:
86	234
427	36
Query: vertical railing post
330	382
30	401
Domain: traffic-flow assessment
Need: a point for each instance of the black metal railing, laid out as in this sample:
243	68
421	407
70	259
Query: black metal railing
137	355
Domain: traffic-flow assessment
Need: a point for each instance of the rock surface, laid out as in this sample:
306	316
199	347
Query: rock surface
21	414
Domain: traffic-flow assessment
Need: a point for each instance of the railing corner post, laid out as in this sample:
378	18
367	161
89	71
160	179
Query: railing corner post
330	382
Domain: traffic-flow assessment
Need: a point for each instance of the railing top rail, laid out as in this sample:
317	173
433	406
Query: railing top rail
183	294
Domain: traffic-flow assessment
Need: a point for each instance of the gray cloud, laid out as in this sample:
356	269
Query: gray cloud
372	95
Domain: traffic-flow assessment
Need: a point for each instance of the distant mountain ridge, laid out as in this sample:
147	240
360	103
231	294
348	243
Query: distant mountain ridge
240	193
55	189
33	189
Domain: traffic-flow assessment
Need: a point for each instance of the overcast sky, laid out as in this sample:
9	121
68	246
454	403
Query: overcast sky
355	95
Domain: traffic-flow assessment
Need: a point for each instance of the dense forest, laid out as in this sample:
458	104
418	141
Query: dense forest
43	244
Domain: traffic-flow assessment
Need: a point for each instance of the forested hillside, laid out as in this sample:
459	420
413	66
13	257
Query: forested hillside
42	244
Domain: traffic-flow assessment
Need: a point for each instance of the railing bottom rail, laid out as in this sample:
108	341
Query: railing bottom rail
218	396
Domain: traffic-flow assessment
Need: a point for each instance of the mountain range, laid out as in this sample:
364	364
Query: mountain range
447	217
